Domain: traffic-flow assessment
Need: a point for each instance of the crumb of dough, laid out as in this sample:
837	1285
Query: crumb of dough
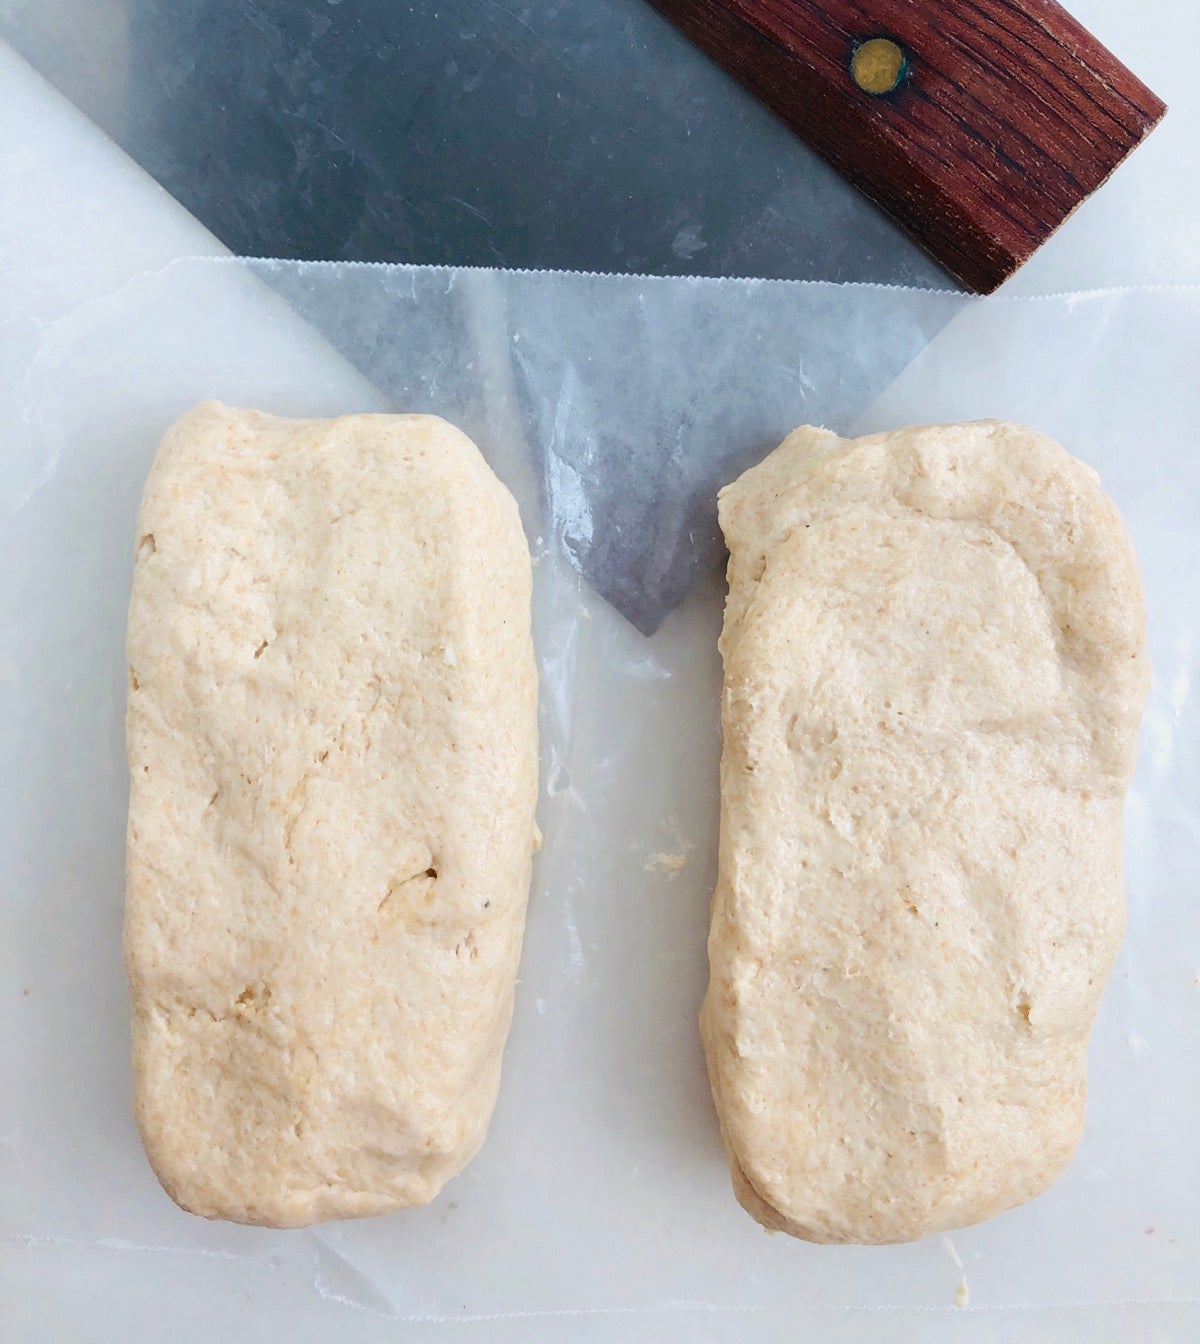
962	1292
671	864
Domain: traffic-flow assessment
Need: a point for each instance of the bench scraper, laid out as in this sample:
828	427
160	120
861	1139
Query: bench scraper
593	137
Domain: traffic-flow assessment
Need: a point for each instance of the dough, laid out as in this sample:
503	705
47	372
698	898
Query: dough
935	665
332	745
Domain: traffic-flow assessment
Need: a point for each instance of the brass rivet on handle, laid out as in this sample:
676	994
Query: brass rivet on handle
878	65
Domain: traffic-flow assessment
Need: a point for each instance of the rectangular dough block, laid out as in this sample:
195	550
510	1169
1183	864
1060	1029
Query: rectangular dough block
333	758
935	666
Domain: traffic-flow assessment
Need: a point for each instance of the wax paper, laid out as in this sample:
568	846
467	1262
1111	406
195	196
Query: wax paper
601	1193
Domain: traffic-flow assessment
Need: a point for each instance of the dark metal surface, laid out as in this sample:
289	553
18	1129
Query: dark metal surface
582	134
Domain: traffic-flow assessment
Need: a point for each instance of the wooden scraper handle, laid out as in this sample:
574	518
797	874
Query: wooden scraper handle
979	125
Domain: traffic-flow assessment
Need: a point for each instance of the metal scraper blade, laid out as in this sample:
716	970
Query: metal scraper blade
590	137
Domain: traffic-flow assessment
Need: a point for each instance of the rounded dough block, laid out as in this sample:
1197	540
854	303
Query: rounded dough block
935	666
332	746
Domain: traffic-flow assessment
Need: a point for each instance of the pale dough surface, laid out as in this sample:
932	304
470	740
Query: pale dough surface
332	747
935	667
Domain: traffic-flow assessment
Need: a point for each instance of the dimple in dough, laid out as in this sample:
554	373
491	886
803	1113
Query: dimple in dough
935	665
332	746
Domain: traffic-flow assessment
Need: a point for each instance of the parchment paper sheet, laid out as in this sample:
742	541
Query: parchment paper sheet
601	1187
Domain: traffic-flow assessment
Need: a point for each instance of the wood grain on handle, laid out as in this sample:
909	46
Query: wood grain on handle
1008	113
